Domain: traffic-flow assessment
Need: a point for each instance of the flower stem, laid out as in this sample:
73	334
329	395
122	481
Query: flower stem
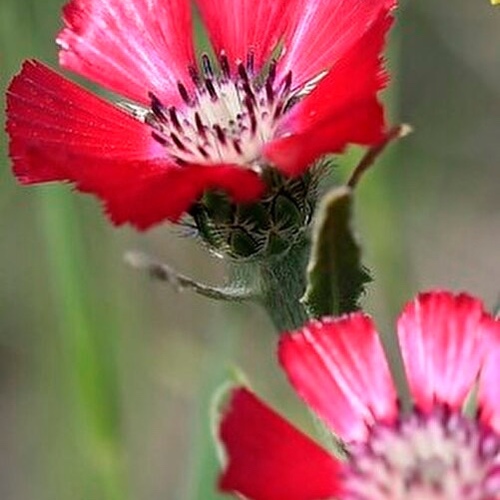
281	281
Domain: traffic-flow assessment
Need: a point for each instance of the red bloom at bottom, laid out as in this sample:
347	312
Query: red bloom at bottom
338	367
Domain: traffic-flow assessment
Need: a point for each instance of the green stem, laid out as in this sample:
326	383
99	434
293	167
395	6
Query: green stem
281	281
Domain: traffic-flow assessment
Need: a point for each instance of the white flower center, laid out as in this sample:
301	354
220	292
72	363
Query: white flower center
226	119
442	456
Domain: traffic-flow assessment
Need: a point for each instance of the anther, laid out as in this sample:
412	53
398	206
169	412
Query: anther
220	134
157	137
207	65
278	110
287	83
173	117
269	91
178	142
224	64
250	61
271	75
195	76
184	93
243	73
211	89
236	145
249	92
203	151
253	121
157	107
199	125
248	102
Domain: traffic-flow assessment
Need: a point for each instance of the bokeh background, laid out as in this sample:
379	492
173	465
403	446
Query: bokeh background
106	378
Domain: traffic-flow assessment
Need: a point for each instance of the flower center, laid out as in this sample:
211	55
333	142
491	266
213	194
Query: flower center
442	456
227	118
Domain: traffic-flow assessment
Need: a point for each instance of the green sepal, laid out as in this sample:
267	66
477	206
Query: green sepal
218	404
335	276
260	230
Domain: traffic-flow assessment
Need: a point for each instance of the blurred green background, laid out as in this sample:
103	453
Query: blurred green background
106	378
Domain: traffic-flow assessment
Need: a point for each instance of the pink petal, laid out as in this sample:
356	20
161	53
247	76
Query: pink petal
339	368
131	47
442	343
342	109
489	381
59	131
241	27
44	110
323	31
268	459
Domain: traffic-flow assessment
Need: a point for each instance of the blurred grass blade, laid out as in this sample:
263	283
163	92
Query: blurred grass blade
201	479
87	372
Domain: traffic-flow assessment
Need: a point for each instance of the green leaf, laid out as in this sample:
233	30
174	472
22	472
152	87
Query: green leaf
335	276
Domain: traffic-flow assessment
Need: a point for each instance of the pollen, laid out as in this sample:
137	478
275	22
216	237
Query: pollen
442	456
227	118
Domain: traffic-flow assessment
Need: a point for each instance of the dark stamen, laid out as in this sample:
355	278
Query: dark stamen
199	125
249	104
211	89
195	76
287	83
243	73
224	64
253	123
251	111
172	112
183	92
207	66
272	72
236	145
278	110
249	92
203	151
157	137
220	134
178	142
269	92
250	61
157	107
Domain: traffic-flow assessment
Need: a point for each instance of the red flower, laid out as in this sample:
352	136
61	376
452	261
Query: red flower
193	128
338	367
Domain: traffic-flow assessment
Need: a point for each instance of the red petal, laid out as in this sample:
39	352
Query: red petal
145	192
130	47
44	110
489	386
342	109
239	27
441	338
59	131
338	366
268	459
169	194
322	32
